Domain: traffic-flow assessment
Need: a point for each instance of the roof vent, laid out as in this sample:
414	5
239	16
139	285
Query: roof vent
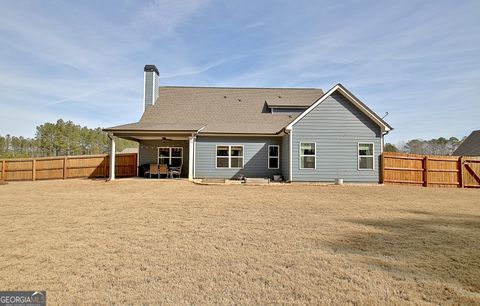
224	97
279	97
239	100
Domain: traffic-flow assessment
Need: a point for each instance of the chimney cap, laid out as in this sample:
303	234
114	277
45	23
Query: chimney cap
150	68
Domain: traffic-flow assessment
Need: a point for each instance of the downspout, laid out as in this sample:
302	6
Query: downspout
193	150
290	138
381	172
383	139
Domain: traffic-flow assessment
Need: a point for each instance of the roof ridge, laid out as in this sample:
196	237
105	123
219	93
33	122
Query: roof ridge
227	87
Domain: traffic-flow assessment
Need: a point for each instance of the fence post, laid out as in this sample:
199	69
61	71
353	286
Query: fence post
382	168
105	163
65	168
4	164
460	169
34	170
425	171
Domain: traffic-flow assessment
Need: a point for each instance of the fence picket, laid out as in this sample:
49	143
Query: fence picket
63	167
34	169
427	170
3	170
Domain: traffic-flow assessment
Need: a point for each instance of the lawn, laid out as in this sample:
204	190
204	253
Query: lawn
174	242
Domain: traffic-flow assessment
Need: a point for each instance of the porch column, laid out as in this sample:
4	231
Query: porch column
112	158
191	142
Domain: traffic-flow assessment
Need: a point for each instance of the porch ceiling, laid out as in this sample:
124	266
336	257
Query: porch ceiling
139	136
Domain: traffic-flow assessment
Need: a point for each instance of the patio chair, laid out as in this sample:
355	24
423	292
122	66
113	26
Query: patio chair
163	170
175	171
144	170
153	169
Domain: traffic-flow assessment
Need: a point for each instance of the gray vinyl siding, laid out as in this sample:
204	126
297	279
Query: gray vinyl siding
285	157
336	126
157	89
150	82
148	152
255	157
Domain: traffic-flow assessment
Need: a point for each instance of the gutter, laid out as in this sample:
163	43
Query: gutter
240	134
199	130
385	133
150	131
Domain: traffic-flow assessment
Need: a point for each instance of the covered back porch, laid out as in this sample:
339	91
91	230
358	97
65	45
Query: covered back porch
174	149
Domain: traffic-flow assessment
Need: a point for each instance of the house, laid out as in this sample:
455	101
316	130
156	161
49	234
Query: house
470	146
302	134
130	151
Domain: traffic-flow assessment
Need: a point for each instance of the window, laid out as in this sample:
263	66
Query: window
176	157
365	156
273	157
307	155
223	157
229	156
172	156
163	155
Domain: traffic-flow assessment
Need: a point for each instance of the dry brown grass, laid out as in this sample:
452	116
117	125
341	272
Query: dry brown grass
150	241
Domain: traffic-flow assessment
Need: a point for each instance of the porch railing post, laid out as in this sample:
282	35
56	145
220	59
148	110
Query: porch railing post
191	142
112	158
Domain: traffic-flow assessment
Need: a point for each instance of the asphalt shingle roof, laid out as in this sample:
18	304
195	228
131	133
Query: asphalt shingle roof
222	109
470	146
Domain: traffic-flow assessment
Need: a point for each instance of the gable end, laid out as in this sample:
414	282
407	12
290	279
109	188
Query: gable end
385	127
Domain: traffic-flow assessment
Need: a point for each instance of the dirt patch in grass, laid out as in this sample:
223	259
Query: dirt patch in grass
174	242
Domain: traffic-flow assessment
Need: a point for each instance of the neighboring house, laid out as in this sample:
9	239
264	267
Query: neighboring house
303	134
130	150
470	146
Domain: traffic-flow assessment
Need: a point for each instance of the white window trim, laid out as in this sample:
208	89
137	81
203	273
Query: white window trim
300	155
277	157
226	157
372	156
169	154
229	156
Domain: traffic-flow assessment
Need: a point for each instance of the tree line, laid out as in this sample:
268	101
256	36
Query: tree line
60	139
66	138
438	146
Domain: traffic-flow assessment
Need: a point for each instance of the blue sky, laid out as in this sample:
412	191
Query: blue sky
83	60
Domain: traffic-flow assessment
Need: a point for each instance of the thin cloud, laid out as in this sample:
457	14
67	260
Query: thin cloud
418	61
162	17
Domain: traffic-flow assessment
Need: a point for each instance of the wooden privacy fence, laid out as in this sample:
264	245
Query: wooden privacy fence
64	167
428	170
